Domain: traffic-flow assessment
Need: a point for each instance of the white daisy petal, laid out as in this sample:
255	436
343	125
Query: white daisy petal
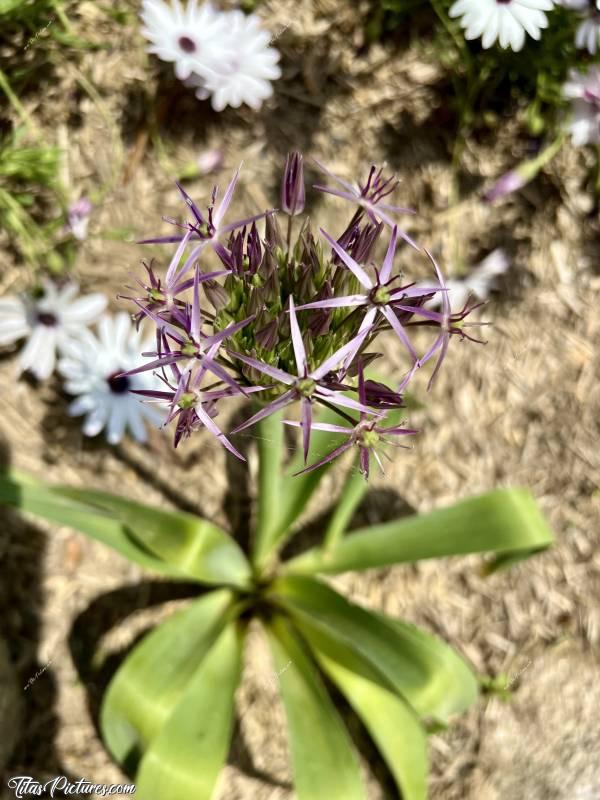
92	367
584	91
504	22
85	310
39	354
14	324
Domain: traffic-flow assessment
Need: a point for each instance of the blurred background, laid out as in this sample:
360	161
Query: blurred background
86	112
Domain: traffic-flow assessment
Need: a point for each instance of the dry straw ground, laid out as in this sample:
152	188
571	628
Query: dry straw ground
523	410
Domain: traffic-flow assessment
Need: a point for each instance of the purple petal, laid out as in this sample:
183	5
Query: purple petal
227	332
386	269
355	268
335	177
193	207
269	409
177	258
306	425
326	459
364	461
337	302
399	330
196	313
352	347
341	400
224	204
267	369
247	221
214	429
321	426
158	363
352	196
298	344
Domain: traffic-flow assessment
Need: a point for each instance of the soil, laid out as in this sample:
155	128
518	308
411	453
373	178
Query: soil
522	410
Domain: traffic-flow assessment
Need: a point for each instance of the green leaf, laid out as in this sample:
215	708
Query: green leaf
507	522
187	756
419	667
391	723
27	495
150	682
323	759
194	546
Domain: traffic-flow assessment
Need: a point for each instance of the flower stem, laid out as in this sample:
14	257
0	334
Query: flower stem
352	494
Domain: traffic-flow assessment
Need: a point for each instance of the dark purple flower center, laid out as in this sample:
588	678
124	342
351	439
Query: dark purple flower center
118	384
503	2
47	318
187	45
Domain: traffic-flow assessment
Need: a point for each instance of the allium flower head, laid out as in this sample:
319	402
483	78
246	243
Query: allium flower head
584	90
288	322
505	21
92	367
48	322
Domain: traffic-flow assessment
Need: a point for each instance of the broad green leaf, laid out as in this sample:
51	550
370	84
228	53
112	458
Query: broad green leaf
193	545
187	756
507	522
150	682
392	724
422	669
27	495
323	759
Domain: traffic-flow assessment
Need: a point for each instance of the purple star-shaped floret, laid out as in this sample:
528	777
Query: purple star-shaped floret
366	434
308	385
380	297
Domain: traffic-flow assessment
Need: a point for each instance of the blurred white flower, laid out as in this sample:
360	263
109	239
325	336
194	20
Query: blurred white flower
243	74
210	161
479	282
504	20
222	54
191	36
92	368
79	218
584	91
48	322
588	34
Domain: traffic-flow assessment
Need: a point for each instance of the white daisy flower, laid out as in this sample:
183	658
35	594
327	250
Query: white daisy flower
92	368
587	36
245	68
192	36
504	20
47	322
584	91
479	282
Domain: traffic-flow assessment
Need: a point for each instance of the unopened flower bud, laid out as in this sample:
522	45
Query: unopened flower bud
292	188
